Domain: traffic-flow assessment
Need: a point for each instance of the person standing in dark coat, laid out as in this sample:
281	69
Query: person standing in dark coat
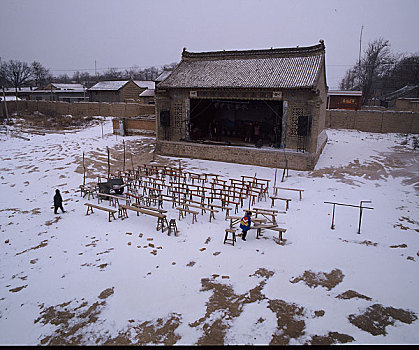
58	201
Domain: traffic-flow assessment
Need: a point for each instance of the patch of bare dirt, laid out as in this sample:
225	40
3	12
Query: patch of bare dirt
330	339
368	243
290	322
399	246
44	243
400	163
328	280
160	332
17	289
365	242
350	294
73	321
222	306
368	170
51	121
376	318
405	227
52	222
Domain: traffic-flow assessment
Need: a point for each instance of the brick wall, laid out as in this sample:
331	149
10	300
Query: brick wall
81	108
242	155
136	125
374	121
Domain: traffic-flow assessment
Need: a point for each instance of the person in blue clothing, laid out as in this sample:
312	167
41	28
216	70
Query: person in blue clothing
245	223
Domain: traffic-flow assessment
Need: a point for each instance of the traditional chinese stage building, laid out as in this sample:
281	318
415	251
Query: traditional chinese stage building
259	107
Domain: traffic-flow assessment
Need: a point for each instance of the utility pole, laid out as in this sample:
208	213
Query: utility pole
4	97
360	41
359	58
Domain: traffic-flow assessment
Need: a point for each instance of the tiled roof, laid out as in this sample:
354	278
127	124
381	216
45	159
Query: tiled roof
109	85
399	93
147	93
286	68
148	84
68	86
163	75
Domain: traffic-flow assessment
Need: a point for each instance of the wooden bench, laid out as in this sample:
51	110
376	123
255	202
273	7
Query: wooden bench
276	188
287	200
212	206
138	199
113	200
236	208
90	207
266	213
279	230
161	218
161	211
261	227
186	205
233	233
233	220
183	211
84	190
169	199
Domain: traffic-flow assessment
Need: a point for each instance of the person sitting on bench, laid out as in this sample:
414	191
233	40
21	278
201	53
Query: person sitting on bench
245	223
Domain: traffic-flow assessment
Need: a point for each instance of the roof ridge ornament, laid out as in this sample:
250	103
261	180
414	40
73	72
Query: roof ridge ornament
318	48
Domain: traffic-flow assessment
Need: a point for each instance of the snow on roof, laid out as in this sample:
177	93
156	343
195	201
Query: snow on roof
110	85
398	93
10	98
344	92
144	83
68	86
21	89
147	93
163	75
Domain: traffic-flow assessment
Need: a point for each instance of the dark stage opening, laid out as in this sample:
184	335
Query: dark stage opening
240	122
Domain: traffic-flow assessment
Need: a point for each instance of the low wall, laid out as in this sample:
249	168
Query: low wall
374	121
135	125
80	108
242	155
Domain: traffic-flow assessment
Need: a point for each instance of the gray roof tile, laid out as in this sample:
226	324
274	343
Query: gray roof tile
275	68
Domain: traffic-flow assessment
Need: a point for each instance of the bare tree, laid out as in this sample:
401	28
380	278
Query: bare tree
40	74
349	80
112	74
405	72
16	74
132	73
62	78
376	62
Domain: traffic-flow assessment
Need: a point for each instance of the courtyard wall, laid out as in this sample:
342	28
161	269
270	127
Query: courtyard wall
52	108
374	121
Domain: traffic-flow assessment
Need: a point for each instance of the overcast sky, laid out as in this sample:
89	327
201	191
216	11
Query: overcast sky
70	35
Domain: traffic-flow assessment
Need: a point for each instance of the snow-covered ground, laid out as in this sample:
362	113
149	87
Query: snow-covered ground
77	279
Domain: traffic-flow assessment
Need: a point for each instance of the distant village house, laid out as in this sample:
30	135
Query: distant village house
61	92
119	90
340	99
